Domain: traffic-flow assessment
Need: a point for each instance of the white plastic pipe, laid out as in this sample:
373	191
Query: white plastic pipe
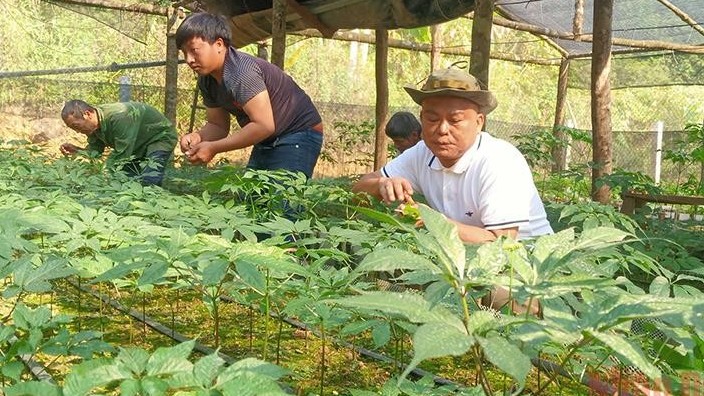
658	150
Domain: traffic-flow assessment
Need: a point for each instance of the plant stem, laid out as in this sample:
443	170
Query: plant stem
216	320
266	318
483	380
322	359
278	340
552	376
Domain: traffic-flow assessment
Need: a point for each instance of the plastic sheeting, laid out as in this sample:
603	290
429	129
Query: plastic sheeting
251	19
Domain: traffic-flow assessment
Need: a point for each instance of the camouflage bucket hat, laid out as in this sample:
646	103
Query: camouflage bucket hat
454	82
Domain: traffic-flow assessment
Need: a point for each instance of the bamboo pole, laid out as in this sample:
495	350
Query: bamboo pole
601	98
382	96
423	47
578	21
278	33
683	16
559	152
647	44
435	46
142	8
481	41
171	72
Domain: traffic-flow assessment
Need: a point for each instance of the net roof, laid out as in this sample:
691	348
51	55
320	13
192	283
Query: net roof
632	20
653	20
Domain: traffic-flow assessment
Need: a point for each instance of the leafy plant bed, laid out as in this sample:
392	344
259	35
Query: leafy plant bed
174	256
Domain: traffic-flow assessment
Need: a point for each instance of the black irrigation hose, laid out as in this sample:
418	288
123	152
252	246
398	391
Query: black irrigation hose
599	386
150	322
420	373
35	368
207	350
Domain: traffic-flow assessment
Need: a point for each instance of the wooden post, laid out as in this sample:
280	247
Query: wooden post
382	96
559	152
481	41
601	98
278	33
578	21
173	19
435	46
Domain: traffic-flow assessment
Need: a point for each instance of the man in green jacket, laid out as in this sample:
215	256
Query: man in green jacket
142	138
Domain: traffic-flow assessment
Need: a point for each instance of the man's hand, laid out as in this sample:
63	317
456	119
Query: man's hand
69	149
394	189
201	153
189	141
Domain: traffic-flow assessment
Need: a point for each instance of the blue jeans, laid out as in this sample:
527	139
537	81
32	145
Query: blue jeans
295	151
151	172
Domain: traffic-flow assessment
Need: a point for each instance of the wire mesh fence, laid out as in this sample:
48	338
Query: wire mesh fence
349	129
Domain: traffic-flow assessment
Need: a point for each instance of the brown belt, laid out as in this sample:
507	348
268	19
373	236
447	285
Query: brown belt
318	127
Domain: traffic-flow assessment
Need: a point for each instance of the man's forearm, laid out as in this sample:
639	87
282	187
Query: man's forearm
250	135
212	132
369	184
473	234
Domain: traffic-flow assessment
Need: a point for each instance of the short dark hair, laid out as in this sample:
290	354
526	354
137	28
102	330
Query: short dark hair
402	125
75	108
208	27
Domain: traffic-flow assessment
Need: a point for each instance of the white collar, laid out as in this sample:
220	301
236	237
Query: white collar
463	163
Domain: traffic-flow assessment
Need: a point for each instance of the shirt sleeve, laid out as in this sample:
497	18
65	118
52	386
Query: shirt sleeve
247	84
405	166
506	191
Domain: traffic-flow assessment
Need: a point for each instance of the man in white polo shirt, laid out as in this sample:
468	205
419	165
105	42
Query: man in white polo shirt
481	183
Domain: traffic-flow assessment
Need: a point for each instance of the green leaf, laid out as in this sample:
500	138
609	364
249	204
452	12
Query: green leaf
629	351
381	334
13	369
251	384
599	237
214	272
133	359
555	245
436	339
507	357
33	388
252	366
153	274
27	318
153	386
409	305
130	387
250	274
91	374
660	286
207	368
446	233
392	259
171	360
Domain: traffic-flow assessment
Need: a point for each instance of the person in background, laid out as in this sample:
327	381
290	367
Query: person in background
480	183
403	129
137	133
276	116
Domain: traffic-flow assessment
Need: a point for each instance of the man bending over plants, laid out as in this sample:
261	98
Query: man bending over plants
138	133
278	119
480	183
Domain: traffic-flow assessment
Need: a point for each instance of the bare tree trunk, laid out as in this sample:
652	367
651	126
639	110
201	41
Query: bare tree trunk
481	40
601	98
382	96
559	152
435	46
278	33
